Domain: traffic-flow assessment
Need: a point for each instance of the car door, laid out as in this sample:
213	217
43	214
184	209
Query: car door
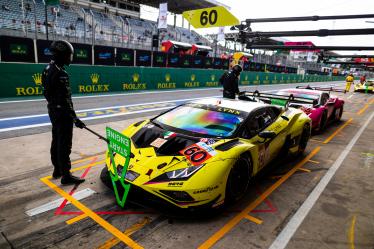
264	119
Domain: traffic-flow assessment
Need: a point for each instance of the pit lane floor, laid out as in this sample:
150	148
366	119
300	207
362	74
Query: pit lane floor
341	217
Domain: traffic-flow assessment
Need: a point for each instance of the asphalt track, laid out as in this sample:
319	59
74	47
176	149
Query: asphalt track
322	200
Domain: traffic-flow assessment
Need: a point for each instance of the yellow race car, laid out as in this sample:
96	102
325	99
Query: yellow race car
367	86
204	153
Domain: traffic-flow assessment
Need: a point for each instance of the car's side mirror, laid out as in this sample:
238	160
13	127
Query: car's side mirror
267	134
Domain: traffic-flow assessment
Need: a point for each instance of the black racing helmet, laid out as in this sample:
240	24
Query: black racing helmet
62	51
237	69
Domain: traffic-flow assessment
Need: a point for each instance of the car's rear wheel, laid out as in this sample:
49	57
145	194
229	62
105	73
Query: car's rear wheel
338	113
238	180
305	135
323	122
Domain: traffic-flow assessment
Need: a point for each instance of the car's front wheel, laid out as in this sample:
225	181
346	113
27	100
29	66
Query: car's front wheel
238	180
305	135
338	113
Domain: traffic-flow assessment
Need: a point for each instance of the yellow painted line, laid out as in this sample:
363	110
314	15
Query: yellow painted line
76	219
234	221
351	234
371	101
337	131
312	161
107	226
363	109
304	170
137	226
253	219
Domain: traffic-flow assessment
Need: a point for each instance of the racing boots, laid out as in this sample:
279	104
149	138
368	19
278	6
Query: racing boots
70	179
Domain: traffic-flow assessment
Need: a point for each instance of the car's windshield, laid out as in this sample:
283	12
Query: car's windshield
204	120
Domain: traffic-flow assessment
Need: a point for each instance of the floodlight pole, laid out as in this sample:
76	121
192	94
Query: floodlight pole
46	19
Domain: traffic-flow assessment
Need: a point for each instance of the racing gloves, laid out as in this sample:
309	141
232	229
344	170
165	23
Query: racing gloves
78	123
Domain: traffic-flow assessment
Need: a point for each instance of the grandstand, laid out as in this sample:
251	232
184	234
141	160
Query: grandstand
88	21
115	23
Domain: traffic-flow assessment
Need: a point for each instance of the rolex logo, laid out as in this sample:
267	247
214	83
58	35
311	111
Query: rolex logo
167	77
193	77
213	77
246	78
135	77
257	77
37	78
95	78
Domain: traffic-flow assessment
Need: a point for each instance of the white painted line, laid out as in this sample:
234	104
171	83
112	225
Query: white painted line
109	107
289	230
155	92
56	203
351	95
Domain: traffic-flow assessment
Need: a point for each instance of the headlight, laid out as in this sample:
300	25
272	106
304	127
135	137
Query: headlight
183	173
177	175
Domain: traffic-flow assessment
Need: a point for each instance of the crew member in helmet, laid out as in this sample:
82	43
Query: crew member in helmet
56	90
230	82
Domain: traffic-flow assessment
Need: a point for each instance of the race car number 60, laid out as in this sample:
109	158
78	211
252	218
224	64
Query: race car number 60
196	154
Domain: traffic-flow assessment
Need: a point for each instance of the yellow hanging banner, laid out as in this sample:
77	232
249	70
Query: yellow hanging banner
210	17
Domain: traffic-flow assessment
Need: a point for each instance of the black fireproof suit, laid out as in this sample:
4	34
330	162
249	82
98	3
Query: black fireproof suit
230	84
57	91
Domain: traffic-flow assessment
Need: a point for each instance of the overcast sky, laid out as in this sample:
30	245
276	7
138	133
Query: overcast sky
243	9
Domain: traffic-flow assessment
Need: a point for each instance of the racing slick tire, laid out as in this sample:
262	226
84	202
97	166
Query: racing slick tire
105	178
323	122
305	135
238	179
338	114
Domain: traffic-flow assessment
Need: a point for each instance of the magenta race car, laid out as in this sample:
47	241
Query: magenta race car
318	105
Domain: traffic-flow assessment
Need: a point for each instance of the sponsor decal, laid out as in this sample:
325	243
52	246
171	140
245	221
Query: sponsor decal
31	90
149	126
169	134
198	153
257	81
175	184
81	53
192	83
95	85
205	190
158	142
167	84
18	49
274	81
207	141
135	84
245	81
266	81
212	82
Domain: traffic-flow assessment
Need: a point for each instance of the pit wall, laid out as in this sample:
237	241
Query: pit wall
22	79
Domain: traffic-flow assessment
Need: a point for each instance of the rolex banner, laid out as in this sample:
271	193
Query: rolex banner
163	16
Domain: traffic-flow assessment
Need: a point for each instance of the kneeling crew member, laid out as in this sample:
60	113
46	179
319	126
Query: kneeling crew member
230	82
56	90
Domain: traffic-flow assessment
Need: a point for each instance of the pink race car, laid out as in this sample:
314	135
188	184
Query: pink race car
319	105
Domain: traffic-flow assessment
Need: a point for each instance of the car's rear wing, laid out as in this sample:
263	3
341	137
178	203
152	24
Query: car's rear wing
326	89
277	99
